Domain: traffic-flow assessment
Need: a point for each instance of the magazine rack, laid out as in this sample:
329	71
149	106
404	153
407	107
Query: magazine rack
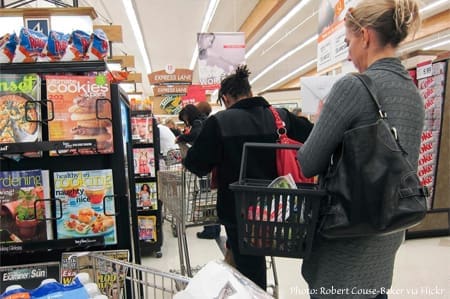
275	221
118	162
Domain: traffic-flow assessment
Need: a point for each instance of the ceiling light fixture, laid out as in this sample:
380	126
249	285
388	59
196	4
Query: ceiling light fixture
277	26
302	68
207	18
437	45
285	56
131	14
432	5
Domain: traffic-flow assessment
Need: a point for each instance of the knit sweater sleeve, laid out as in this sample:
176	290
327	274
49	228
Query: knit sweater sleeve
337	115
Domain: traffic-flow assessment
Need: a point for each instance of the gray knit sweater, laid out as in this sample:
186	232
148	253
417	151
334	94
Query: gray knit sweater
360	267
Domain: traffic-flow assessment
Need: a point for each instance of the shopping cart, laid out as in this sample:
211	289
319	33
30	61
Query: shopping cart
191	201
130	281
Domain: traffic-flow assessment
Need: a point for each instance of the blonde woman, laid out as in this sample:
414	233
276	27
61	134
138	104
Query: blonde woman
363	267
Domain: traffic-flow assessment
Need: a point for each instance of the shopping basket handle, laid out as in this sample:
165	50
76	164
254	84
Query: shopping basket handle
242	172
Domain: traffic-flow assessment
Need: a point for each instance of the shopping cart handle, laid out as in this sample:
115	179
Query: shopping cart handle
242	172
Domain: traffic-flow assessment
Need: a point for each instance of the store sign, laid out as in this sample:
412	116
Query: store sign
424	70
195	94
173	89
219	54
331	48
177	76
38	24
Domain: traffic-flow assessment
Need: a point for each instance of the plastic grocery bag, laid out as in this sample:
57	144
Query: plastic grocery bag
217	280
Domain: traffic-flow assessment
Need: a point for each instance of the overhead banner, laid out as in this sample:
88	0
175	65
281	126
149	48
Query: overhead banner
331	48
219	54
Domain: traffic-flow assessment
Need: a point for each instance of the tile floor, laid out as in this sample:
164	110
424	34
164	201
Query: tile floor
422	268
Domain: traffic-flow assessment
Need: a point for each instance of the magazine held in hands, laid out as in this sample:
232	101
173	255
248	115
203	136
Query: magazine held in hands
87	199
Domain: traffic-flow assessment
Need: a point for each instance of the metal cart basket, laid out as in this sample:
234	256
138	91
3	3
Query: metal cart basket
191	201
134	281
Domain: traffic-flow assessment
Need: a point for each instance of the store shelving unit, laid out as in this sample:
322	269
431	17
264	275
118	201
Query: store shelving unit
437	220
118	162
148	222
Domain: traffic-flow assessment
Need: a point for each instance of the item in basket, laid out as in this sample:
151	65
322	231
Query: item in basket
99	46
31	45
82	111
8	45
28	276
56	45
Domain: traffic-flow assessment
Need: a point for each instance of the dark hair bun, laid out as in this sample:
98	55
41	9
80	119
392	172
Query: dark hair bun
242	72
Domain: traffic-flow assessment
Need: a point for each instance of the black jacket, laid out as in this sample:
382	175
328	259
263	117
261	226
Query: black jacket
221	140
196	127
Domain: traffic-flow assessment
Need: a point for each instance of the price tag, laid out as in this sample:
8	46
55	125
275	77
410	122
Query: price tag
424	69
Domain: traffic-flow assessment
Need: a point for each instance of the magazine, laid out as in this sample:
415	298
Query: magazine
87	204
81	111
22	213
28	276
20	114
105	274
144	161
142	129
284	181
147	228
146	195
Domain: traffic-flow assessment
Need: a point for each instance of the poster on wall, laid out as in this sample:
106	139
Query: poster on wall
331	47
219	54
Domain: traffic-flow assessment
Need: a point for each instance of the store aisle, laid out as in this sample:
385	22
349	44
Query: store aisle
422	267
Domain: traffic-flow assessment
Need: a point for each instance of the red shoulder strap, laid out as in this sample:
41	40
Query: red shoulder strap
278	121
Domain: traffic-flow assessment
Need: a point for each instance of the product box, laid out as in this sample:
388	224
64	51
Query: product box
108	276
29	276
144	161
142	129
87	200
23	213
81	110
147	228
146	195
20	111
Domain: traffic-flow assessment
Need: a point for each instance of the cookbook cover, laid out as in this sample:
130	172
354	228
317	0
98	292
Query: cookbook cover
20	114
144	161
142	129
147	228
146	195
22	215
104	273
87	204
81	110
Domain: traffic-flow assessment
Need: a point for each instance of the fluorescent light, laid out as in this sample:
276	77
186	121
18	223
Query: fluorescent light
277	26
284	57
302	68
437	45
432	5
207	18
131	14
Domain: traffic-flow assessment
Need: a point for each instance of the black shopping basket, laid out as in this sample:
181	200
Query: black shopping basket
275	221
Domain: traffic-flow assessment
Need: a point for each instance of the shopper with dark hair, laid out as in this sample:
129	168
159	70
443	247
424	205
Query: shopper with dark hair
363	267
220	143
192	118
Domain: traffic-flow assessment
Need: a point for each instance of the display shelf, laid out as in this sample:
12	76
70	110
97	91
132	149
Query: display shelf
62	145
54	67
437	219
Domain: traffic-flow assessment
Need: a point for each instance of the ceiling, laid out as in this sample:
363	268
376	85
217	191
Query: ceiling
170	27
